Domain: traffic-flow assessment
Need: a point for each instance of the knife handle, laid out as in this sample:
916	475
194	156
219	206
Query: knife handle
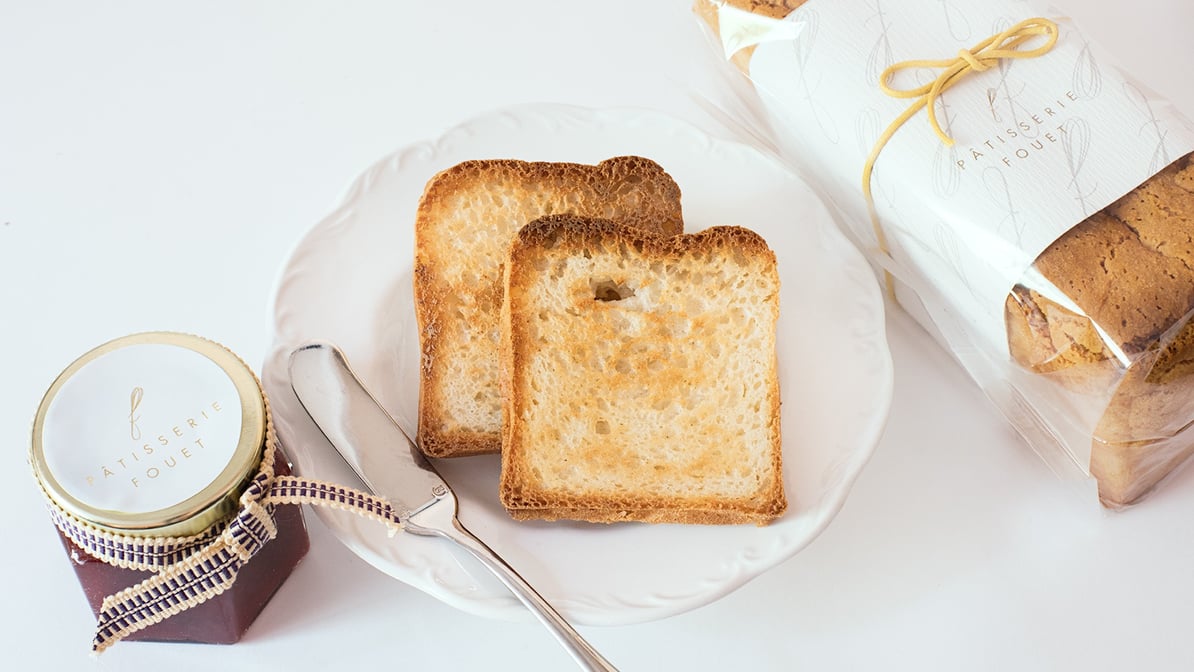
580	650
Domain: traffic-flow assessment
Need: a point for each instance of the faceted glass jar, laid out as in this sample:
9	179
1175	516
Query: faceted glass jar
157	435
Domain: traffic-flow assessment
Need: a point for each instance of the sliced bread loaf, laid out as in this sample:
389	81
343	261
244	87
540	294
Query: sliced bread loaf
465	220
639	375
1129	270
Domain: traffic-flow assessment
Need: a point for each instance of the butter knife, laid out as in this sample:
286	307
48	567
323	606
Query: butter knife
391	466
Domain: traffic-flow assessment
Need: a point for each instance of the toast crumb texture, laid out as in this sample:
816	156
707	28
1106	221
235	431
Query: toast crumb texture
466	218
640	375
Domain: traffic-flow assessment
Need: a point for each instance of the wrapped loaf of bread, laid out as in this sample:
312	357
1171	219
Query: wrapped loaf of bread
1050	248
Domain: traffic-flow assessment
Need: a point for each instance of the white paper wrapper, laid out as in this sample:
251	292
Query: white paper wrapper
1004	244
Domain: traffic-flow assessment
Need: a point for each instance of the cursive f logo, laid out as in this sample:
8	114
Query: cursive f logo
134	402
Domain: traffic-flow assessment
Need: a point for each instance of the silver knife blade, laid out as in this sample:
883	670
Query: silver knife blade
392	466
364	434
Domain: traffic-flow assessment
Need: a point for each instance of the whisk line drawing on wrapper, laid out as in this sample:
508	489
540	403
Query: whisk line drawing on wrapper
1003	91
1160	156
947	175
951	255
881	56
803	47
1088	78
955	20
1000	193
1075	142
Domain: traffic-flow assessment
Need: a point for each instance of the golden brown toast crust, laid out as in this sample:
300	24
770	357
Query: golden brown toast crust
464	222
661	374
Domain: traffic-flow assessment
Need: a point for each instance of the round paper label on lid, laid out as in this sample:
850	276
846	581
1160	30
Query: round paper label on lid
142	428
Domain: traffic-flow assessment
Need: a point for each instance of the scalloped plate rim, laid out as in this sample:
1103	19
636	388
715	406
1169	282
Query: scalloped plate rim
750	563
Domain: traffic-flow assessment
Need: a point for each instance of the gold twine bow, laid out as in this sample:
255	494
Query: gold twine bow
979	58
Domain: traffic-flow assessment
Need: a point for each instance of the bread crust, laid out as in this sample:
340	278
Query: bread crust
1130	270
458	273
527	495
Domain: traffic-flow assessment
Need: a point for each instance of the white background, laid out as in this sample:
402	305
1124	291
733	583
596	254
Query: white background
158	161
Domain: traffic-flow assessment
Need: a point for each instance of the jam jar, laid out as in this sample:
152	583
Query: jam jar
148	442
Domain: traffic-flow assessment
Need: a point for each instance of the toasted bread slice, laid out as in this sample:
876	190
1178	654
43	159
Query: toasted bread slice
466	219
639	375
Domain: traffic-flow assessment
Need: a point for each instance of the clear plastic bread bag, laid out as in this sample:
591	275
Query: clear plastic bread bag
1040	223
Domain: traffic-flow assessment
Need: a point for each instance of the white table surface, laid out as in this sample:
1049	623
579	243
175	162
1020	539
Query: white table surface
159	160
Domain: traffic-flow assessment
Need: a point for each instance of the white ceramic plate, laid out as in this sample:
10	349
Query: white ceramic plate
349	281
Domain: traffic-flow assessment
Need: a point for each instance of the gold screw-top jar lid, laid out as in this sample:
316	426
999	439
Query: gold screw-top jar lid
153	434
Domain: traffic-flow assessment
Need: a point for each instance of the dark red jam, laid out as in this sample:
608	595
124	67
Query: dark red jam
224	618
